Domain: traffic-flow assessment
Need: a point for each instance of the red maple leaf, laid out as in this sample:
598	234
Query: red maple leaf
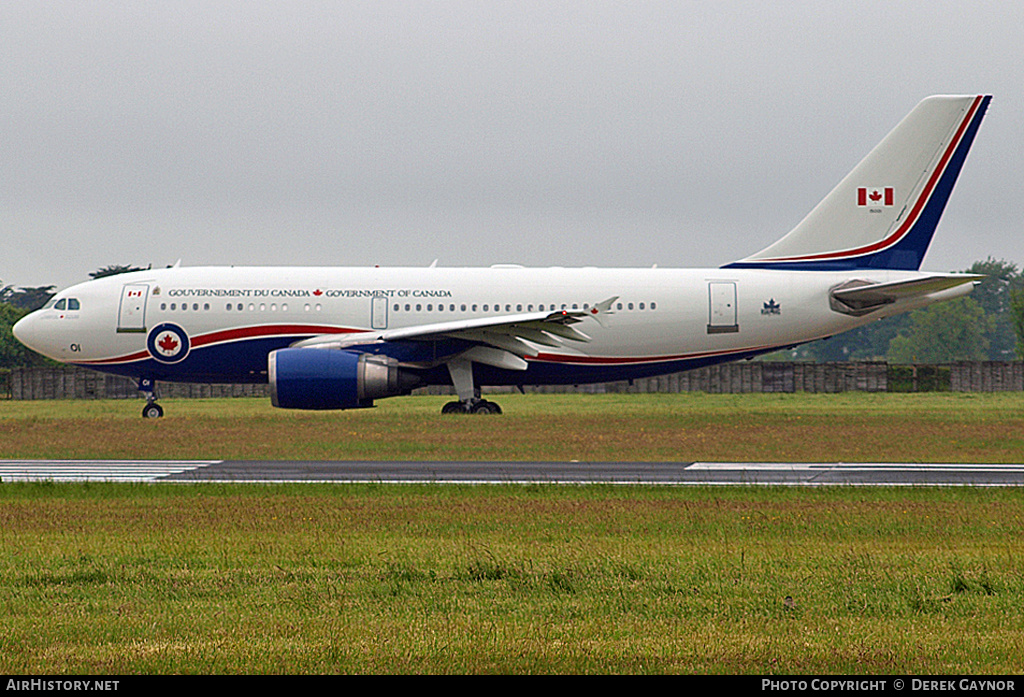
875	196
318	292
167	344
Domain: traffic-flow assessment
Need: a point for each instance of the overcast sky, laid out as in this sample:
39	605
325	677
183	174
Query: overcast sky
541	133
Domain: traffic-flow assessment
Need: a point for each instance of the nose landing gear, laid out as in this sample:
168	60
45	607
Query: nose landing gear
152	410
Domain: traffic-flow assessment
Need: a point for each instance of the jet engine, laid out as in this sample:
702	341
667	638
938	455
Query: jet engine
310	378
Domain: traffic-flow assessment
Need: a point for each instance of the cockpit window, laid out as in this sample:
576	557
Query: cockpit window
65	304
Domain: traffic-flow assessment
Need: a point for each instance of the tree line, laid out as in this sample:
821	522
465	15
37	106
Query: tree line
988	324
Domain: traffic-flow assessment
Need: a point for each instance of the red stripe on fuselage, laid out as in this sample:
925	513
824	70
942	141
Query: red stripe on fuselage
236	334
263	332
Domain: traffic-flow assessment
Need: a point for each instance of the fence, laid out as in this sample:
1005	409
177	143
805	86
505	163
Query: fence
81	383
988	376
750	376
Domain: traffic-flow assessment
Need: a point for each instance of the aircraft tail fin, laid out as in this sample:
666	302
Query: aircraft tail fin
884	213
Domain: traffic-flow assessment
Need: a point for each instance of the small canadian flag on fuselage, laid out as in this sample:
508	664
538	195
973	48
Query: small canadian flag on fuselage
876	196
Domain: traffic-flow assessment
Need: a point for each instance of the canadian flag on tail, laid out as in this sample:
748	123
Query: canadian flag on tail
876	196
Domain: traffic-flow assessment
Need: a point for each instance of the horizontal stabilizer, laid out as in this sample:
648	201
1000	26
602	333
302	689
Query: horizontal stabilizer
861	297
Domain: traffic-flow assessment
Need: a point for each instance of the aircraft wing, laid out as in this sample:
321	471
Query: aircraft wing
499	340
861	297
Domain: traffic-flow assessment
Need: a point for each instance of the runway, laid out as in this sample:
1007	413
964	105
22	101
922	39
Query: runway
470	472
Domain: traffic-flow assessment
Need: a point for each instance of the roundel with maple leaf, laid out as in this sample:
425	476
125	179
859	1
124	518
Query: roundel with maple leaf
168	343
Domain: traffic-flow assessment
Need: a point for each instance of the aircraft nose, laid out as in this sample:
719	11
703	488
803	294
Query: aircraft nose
27	331
23	330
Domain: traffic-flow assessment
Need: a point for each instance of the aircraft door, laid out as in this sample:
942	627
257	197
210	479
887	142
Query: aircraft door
722	311
379	312
131	317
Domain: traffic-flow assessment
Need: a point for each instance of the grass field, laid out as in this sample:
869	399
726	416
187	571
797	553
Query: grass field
126	579
848	427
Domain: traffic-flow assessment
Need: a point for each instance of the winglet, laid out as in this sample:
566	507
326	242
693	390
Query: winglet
601	311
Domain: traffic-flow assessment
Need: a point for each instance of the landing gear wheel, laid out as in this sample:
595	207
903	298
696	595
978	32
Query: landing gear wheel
485	407
461	370
476	406
152	411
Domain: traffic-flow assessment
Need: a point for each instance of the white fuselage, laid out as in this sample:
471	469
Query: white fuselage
663	320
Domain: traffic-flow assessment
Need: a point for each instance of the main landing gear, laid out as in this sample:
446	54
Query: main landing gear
152	410
469	402
471	406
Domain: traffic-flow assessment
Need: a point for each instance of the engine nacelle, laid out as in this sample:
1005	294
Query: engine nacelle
310	378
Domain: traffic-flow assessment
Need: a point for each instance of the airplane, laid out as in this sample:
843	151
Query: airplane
340	338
